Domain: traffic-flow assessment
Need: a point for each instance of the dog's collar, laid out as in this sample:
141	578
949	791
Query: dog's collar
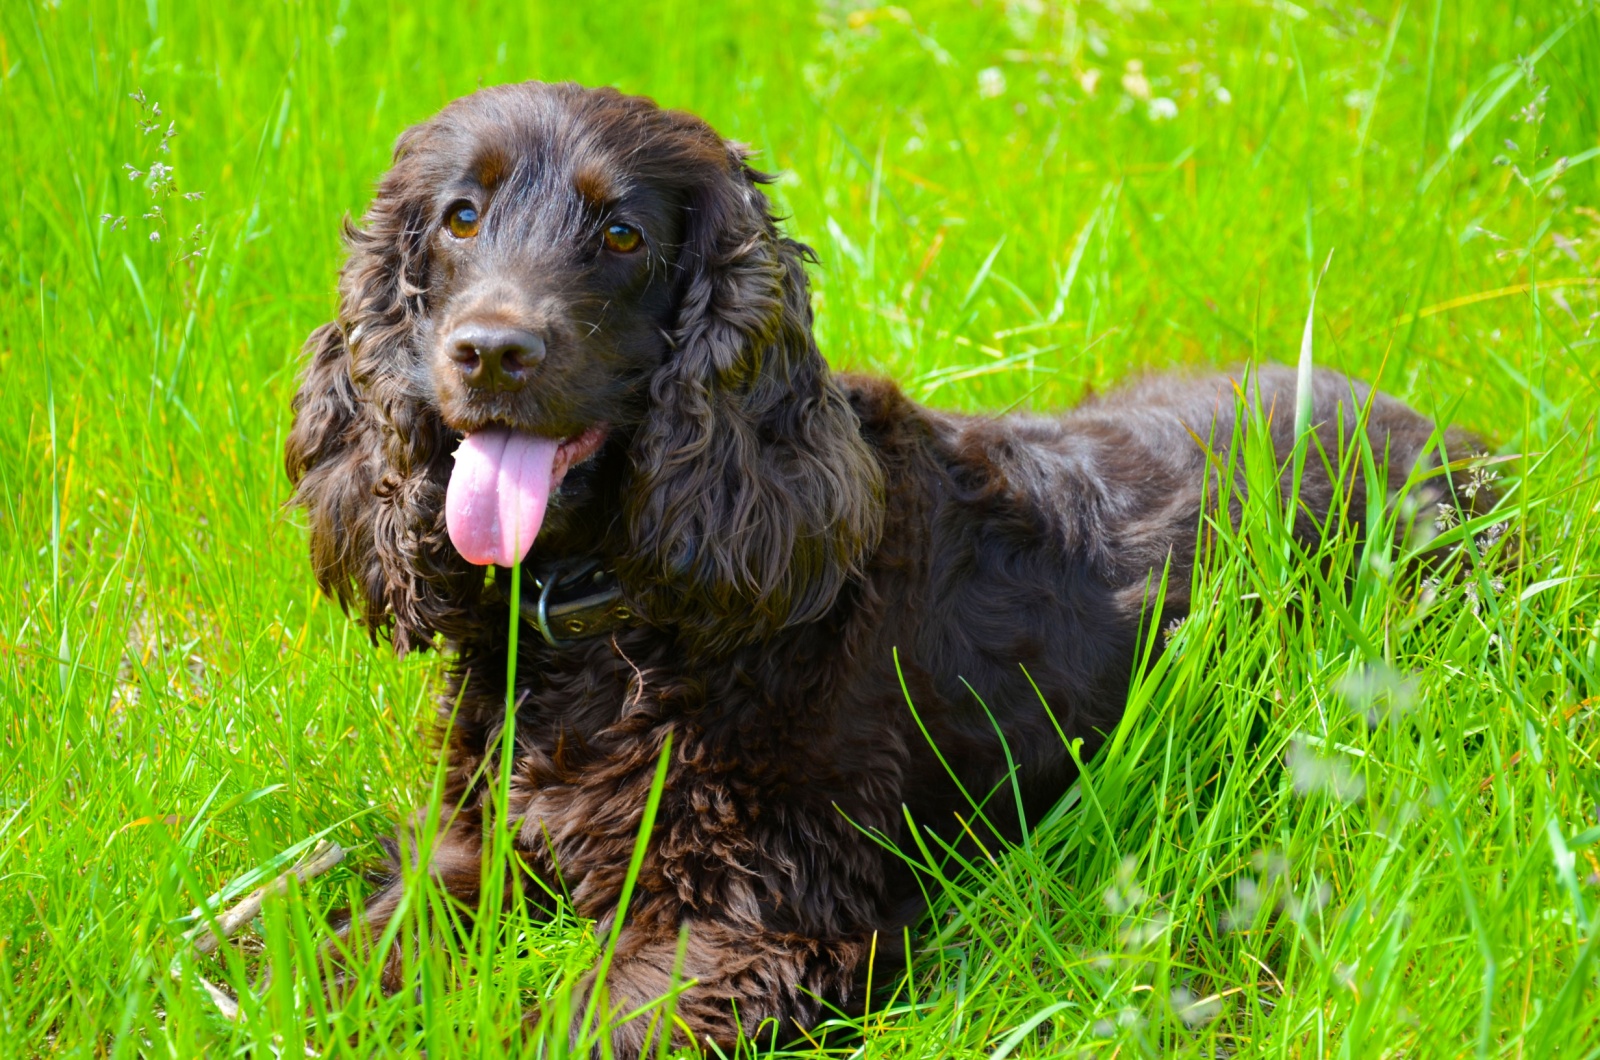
570	600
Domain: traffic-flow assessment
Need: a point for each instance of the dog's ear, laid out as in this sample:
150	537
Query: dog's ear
368	459
754	496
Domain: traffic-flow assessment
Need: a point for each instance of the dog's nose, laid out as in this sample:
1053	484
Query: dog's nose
494	356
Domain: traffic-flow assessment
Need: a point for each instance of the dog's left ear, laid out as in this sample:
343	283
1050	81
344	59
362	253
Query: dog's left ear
369	460
754	497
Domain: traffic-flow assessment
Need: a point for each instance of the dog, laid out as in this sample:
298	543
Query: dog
572	338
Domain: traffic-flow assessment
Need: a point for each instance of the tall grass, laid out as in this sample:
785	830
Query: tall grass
1348	814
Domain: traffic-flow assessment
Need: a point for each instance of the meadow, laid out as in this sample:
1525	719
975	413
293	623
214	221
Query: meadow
1349	814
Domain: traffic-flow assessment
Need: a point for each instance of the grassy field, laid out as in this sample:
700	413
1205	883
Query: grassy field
1347	816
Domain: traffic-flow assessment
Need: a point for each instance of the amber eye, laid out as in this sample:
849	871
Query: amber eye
624	239
463	220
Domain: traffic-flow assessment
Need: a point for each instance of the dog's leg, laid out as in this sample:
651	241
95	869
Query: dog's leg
719	983
454	865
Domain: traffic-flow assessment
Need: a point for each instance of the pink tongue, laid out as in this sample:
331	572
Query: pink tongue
498	490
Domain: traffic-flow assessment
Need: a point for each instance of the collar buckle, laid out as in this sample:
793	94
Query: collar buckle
575	600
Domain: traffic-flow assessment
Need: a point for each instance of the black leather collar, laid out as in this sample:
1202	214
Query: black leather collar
571	600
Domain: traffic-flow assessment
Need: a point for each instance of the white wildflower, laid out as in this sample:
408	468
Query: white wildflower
1430	591
1480	478
1312	773
1246	903
1194	1011
1126	893
1134	83
1377	692
1491	537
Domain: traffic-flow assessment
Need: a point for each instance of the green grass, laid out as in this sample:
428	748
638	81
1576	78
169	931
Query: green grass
1006	215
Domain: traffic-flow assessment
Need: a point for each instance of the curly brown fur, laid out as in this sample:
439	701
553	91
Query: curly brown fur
781	532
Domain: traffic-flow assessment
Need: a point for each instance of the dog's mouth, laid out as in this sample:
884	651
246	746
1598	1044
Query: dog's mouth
500	486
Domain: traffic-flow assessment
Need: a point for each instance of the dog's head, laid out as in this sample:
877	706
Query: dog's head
569	323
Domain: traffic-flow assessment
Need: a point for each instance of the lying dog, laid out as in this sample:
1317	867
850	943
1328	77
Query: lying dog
572	337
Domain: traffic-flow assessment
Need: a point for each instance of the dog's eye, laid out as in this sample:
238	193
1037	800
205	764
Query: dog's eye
623	239
463	220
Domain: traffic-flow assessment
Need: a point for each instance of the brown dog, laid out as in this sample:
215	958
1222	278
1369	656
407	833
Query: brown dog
572	337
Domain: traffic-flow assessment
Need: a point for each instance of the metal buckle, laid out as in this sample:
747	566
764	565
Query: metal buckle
592	612
541	619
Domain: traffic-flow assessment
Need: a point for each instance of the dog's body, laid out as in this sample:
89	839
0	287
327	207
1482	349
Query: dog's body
803	557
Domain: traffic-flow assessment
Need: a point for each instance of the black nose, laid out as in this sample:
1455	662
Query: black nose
494	356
